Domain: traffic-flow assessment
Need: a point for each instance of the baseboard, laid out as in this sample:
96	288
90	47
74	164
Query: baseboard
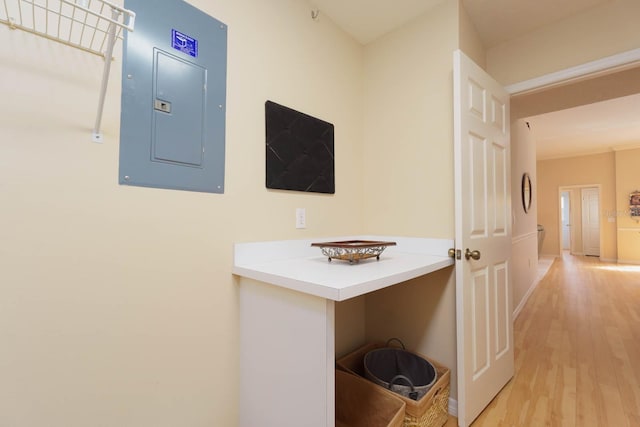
612	260
629	261
526	296
453	407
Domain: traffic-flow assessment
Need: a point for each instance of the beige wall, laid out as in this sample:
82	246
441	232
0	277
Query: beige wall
581	92
604	30
422	313
577	171
524	255
408	134
470	42
524	252
117	304
523	160
408	171
627	181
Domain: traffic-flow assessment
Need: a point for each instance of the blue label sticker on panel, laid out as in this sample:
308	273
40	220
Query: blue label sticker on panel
184	43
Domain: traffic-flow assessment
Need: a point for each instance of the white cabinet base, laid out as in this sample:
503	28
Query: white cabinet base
286	357
287	321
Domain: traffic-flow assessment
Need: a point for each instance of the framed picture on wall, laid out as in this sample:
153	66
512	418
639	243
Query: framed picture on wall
527	192
634	204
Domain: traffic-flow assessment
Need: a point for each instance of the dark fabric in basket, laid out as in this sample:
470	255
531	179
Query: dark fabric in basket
382	365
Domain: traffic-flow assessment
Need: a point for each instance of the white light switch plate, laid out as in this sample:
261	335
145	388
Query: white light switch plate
301	218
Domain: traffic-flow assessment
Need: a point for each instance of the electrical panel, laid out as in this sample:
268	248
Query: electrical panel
172	131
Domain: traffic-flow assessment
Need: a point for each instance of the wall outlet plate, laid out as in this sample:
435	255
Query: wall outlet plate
301	218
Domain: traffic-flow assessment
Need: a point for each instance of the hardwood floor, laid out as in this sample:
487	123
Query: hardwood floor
577	354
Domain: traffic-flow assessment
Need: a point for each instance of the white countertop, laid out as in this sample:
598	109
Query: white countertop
295	265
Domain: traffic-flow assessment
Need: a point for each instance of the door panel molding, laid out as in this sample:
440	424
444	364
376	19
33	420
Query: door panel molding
484	317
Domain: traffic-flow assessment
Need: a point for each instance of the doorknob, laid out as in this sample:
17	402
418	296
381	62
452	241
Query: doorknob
472	254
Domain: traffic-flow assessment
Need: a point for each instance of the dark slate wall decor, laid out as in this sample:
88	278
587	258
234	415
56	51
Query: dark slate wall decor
300	153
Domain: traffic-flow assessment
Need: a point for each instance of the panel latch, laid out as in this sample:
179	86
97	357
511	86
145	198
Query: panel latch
163	106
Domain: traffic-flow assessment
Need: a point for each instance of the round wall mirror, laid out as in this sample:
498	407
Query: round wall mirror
526	192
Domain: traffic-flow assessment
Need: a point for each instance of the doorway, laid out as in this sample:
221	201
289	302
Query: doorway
579	219
591	221
565	221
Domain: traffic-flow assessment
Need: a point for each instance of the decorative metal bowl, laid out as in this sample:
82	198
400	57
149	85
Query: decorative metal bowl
353	250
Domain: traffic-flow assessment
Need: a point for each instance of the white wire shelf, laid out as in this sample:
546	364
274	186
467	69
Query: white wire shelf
83	24
89	25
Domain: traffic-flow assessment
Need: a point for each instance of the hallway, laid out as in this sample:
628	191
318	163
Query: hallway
577	350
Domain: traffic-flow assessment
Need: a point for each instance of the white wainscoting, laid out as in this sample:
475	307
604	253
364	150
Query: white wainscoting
628	245
524	267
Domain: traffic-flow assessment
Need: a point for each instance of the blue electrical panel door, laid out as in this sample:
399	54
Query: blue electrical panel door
179	96
172	132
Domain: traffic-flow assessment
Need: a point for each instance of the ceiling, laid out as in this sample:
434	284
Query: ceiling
587	129
495	20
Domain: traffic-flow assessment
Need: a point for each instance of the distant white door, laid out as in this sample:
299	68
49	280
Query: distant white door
565	212
591	221
483	237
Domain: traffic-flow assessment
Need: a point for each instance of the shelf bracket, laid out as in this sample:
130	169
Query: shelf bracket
96	135
93	26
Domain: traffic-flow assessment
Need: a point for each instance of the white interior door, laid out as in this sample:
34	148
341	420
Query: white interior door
591	221
483	224
565	213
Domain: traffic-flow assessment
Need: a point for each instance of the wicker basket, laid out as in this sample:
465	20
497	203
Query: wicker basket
360	403
430	411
